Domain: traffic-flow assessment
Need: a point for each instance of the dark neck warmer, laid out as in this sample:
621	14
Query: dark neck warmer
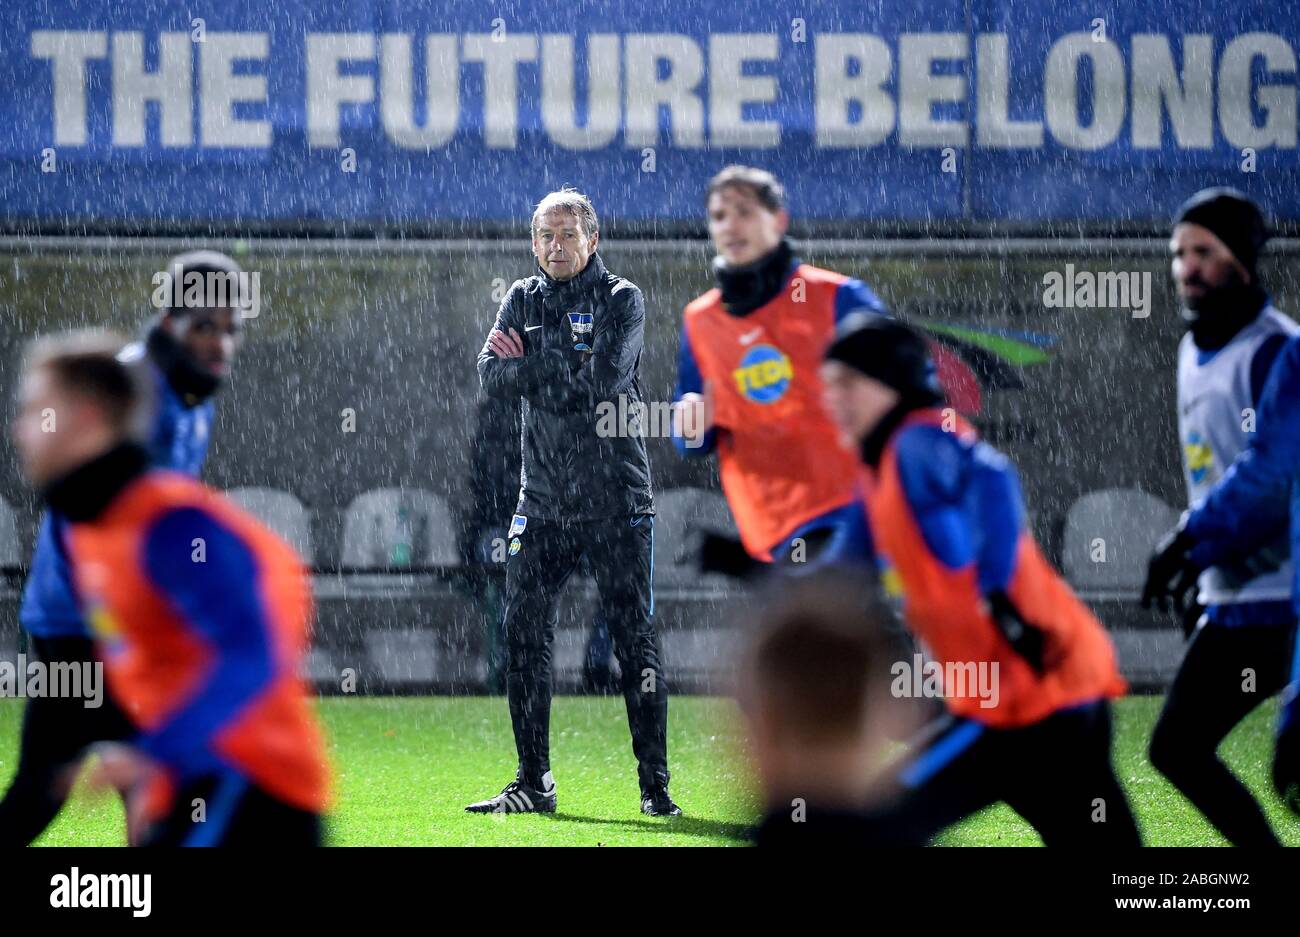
873	446
753	286
585	278
1222	313
83	493
192	383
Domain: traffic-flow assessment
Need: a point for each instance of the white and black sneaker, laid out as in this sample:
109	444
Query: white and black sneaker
655	802
519	797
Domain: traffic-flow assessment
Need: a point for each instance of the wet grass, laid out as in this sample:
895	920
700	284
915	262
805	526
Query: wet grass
406	766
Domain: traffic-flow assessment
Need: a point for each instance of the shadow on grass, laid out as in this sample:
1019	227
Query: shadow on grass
668	826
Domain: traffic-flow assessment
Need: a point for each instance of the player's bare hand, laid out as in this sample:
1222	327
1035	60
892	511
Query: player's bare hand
131	773
119	767
506	344
693	416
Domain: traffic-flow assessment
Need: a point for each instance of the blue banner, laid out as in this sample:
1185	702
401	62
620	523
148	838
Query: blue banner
393	114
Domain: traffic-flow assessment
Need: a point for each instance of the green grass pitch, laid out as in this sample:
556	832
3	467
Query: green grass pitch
406	766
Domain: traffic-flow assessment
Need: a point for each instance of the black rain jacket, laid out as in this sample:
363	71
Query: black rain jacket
584	455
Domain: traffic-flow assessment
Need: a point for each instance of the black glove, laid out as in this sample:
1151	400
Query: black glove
1029	641
714	553
1171	574
1286	767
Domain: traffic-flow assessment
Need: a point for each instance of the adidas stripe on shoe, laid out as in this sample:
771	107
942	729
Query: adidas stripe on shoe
518	797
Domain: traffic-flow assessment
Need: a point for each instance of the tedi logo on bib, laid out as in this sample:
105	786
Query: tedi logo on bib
764	374
1200	457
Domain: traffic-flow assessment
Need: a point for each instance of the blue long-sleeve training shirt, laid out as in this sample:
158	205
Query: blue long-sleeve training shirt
179	442
851	296
965	498
1256	498
1258	495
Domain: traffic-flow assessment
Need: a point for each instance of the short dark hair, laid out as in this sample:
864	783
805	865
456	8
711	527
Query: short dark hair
819	653
765	186
86	363
205	263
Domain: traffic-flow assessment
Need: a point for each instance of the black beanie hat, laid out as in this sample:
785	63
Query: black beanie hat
890	352
1232	217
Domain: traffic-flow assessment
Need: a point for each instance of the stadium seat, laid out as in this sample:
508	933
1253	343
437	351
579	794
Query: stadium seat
679	512
10	556
280	511
370	529
402	656
9	553
1125	523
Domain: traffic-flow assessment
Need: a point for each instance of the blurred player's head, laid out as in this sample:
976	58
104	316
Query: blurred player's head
207	323
76	401
566	233
1214	248
875	366
814	690
747	216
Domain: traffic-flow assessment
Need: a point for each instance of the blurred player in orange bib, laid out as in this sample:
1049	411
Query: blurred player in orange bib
1025	669
747	379
200	615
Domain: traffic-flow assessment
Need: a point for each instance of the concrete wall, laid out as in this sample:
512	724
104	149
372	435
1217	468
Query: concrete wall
390	330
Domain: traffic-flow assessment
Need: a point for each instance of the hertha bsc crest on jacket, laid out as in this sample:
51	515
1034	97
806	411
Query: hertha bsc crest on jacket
580	325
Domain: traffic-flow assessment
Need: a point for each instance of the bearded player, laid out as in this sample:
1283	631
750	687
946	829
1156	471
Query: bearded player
188	349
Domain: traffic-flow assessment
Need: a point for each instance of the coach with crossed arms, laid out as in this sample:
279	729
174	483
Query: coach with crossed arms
565	340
